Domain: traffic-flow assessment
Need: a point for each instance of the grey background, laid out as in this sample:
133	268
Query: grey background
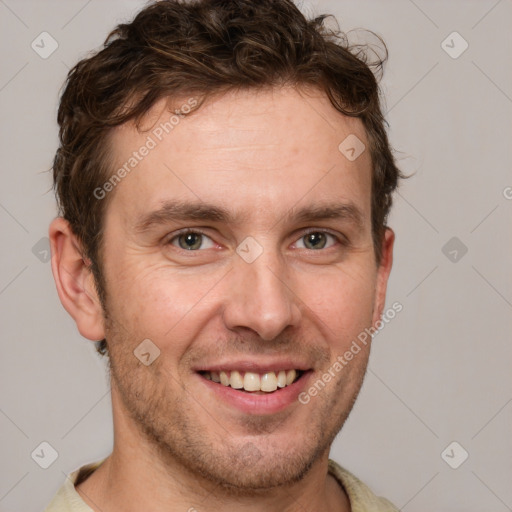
439	372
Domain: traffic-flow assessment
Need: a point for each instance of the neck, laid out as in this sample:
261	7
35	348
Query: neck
137	476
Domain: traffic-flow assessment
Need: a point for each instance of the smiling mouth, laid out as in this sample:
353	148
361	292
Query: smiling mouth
250	382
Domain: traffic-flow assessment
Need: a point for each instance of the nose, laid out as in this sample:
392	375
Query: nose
259	298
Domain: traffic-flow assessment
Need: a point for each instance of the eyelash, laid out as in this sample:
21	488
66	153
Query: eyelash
186	231
341	240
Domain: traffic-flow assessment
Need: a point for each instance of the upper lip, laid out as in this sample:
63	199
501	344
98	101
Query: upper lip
254	366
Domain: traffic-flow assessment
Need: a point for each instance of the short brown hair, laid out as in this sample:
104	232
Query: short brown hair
176	47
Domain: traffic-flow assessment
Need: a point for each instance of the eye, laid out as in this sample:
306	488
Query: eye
192	241
316	240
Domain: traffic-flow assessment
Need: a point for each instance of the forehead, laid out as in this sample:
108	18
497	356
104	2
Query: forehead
263	150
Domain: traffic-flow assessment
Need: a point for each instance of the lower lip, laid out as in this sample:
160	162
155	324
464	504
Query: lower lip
251	403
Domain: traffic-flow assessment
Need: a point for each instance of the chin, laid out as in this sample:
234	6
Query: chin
252	470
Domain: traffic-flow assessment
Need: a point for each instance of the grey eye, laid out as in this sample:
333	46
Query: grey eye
192	241
316	240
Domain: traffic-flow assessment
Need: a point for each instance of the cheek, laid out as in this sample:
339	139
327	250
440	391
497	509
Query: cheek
342	300
155	301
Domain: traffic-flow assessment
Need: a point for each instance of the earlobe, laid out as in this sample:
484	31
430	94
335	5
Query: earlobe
383	272
74	281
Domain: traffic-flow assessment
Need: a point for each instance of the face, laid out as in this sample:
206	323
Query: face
241	246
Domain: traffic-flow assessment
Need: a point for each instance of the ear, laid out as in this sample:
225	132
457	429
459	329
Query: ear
383	272
74	281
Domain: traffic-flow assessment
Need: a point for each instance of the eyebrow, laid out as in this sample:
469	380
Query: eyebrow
180	211
171	211
337	211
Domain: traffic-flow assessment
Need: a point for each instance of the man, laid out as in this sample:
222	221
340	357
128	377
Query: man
224	179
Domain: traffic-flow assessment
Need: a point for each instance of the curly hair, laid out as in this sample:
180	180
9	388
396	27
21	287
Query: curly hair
205	48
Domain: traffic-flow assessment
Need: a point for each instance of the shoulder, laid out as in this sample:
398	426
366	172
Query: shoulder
67	498
361	498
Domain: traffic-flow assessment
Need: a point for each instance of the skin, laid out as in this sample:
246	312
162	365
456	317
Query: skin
262	156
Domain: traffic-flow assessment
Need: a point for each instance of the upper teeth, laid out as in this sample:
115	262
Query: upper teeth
249	381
